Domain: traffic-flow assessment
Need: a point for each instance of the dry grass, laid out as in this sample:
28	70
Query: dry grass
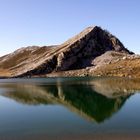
122	68
18	61
4	73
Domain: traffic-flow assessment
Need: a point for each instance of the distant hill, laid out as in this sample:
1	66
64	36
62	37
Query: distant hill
81	55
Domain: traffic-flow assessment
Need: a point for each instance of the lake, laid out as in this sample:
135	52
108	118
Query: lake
69	108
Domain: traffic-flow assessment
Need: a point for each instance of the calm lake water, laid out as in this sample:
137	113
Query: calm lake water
54	107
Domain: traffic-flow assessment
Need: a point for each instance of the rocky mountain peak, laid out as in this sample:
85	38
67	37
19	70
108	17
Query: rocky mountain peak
76	53
90	43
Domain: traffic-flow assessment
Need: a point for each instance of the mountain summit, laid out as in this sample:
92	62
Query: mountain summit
79	52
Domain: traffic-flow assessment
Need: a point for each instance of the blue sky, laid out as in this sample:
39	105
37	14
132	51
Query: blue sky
46	22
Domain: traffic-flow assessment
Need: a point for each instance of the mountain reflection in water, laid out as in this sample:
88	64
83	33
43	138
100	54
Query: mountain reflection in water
95	99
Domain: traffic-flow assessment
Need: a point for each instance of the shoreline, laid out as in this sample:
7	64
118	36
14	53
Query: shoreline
135	136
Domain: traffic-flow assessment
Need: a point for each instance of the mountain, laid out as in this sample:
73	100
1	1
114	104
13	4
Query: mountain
83	53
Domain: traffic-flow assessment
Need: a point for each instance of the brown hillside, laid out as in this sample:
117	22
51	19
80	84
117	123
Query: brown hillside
127	67
21	59
78	52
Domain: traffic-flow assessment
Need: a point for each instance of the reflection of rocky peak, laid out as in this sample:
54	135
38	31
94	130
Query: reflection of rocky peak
82	96
115	87
88	103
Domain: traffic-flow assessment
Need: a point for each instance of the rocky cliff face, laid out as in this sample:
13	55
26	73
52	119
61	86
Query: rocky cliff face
76	53
89	44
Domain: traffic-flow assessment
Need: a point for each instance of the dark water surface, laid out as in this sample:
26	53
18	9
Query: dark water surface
69	106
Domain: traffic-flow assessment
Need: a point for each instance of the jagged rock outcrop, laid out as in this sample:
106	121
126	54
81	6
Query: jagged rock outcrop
86	46
76	53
